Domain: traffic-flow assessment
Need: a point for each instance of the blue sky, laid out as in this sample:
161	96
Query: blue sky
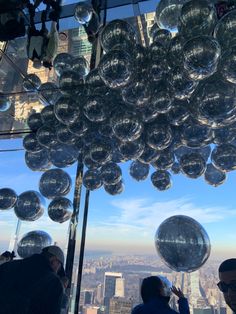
127	223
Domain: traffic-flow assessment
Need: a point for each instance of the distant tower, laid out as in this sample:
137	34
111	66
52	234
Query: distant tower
110	287
120	287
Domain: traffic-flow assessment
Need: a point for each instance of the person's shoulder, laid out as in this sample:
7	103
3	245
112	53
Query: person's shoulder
138	309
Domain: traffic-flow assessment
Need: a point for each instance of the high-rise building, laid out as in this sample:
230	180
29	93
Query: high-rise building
91	310
120	287
110	287
79	44
120	306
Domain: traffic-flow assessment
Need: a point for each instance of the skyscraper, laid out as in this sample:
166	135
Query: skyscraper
120	306
110	285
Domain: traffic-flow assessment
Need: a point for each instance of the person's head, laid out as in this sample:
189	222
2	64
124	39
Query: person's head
55	257
37	63
227	284
151	288
9	255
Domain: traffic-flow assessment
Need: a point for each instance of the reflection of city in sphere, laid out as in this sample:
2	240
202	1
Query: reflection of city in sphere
33	242
83	12
30	206
182	243
8	198
60	209
31	83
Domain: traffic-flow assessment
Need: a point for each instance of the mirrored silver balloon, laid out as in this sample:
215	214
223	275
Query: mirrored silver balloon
80	65
54	183
8	198
227	65
182	243
60	209
158	136
224	157
69	81
35	121
114	189
175	168
33	242
62	62
149	155
48	115
132	150
79	126
161	179
66	110
205	152
63	155
198	17
117	33
165	160
162	36
49	92
192	165
214	103
201	56
38	161
179	112
126	126
175	51
96	108
93	78
64	136
92	180
100	151
83	12
116	68
138	170
225	30
196	135
224	135
214	176
161	97
31	143
111	173
5	103
136	94
30	206
46	135
31	83
168	13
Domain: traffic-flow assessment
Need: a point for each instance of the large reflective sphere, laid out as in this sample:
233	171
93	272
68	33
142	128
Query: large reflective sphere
31	83
114	189
168	13
192	165
80	66
48	115
136	94
92	180
117	33
8	198
131	150
149	155
33	242
60	209
35	121
66	110
49	92
138	170
225	30
31	143
182	243
64	136
69	81
214	176
30	206
83	12
214	103
165	161
198	17
179	112
224	157
46	135
175	52
161	179
5	103
159	136
201	55
227	66
126	126
196	135
54	183
62	62
38	161
63	155
100	151
111	173
96	108
116	68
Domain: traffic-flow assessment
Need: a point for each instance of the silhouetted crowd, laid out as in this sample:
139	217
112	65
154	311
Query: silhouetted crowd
38	285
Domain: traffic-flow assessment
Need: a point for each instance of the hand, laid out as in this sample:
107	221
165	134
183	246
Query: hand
177	292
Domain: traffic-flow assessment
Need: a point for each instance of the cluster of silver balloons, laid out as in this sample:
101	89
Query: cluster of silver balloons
182	243
170	106
30	205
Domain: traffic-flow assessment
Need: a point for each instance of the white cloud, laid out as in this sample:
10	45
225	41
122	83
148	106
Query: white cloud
143	216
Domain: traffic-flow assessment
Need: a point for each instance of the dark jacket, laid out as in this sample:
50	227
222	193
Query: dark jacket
29	286
161	306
